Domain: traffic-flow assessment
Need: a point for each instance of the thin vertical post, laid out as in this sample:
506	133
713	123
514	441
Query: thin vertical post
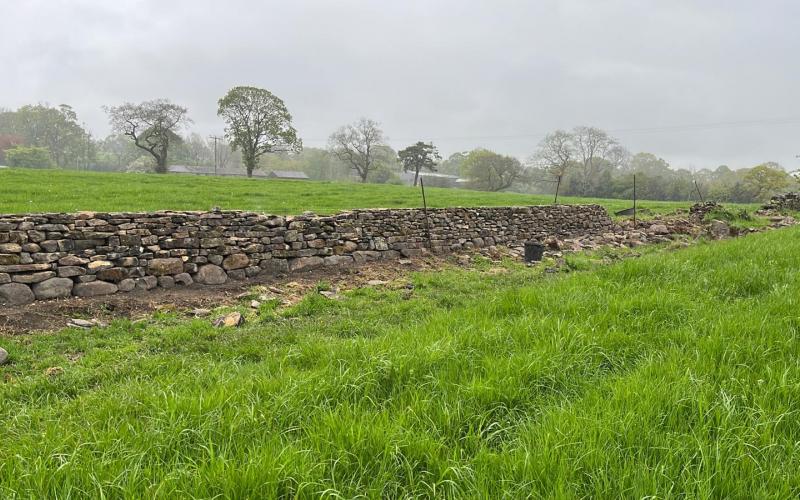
699	194
634	201
215	151
558	185
425	211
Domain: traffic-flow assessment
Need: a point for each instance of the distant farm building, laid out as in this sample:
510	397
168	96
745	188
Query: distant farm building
205	170
432	179
288	174
182	169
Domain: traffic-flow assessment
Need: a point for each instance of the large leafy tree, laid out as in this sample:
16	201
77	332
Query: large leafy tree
453	164
419	157
54	128
489	171
767	179
359	146
152	125
257	123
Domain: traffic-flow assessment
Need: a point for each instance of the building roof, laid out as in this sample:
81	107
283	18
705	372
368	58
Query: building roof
181	169
428	175
437	175
289	174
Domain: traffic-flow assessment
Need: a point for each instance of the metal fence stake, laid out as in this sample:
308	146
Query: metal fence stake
425	211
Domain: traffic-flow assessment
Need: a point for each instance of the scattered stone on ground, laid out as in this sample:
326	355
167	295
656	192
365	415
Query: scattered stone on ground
255	304
53	371
3	356
74	357
659	229
85	323
229	320
199	312
329	294
376	283
719	229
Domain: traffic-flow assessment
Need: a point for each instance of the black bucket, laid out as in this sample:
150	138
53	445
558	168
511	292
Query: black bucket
533	251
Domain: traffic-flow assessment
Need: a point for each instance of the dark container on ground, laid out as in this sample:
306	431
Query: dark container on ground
533	251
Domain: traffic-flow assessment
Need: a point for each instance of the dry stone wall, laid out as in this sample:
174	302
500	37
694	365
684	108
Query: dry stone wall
786	201
46	256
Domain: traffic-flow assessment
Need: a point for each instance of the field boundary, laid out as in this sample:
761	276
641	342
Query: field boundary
47	256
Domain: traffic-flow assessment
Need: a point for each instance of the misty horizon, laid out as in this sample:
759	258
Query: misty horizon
699	85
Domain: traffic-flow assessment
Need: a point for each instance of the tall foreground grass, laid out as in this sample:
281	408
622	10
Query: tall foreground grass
671	375
30	190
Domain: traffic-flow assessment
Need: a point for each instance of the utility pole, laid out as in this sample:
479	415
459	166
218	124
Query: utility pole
216	138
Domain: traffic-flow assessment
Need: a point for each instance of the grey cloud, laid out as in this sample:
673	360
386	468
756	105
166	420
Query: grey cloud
464	73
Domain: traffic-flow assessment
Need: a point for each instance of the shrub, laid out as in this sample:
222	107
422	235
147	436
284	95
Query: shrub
29	157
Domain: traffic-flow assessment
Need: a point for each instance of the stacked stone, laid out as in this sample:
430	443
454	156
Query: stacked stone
781	202
46	256
404	232
698	211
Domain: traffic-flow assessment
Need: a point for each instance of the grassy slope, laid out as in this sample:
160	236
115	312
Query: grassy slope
672	373
26	190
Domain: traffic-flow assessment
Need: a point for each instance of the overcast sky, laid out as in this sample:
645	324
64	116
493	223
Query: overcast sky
700	83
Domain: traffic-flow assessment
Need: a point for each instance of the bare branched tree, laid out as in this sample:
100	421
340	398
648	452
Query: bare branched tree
555	153
152	125
356	145
618	156
591	145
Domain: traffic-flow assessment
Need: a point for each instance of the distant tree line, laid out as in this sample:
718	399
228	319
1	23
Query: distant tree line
151	136
586	161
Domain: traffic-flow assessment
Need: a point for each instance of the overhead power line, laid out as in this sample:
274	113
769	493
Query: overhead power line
792	120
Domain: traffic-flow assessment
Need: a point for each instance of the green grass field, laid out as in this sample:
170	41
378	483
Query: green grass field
28	190
673	375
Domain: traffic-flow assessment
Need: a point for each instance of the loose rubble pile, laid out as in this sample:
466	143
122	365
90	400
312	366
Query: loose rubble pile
659	230
49	256
698	211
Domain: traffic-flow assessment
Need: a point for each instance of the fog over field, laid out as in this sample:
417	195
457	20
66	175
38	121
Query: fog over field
699	83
